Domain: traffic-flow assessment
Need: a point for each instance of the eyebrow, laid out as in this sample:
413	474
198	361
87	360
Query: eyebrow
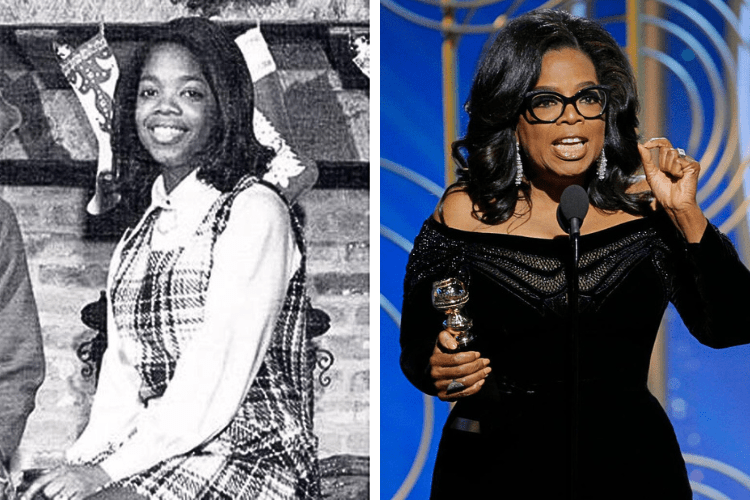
580	86
184	79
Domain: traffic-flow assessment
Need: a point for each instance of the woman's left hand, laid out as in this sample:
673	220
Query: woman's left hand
674	184
69	482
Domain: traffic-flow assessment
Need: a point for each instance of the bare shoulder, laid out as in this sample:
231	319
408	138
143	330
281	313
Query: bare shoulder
457	210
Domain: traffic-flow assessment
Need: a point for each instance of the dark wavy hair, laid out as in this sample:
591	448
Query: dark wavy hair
232	151
509	68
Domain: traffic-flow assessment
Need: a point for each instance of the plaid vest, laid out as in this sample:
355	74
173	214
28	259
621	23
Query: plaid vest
158	301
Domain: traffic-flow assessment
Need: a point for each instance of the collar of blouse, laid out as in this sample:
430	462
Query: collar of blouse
181	210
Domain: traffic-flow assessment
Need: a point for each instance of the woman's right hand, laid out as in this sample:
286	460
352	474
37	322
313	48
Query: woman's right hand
467	368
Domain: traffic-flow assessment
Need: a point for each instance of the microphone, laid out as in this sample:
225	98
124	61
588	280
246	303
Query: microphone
574	204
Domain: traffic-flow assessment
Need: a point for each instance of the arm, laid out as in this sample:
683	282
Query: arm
116	403
712	291
427	350
710	288
21	355
420	326
111	420
253	261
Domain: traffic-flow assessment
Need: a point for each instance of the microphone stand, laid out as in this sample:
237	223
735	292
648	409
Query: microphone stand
574	203
575	227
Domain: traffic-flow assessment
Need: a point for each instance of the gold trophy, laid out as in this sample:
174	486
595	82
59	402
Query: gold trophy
450	295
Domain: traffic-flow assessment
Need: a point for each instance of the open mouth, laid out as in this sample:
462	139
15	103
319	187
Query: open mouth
570	148
167	133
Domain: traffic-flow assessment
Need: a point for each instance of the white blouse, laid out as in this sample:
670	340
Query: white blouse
254	258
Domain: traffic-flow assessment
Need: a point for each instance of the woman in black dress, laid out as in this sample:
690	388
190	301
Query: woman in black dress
554	104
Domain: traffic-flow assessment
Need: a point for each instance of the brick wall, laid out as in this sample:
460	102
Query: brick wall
337	224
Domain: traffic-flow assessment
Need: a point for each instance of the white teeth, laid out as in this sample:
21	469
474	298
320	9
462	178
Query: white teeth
571	150
166	134
571	140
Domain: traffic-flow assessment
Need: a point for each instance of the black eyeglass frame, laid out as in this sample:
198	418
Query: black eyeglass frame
566	100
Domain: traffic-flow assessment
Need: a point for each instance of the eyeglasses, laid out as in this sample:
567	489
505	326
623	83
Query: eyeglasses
547	106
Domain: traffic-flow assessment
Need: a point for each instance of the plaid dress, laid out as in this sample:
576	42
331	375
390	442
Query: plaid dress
268	450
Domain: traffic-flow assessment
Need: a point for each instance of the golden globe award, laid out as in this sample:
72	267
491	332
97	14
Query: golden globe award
450	295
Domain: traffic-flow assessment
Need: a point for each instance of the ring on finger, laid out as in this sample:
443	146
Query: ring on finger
455	386
681	153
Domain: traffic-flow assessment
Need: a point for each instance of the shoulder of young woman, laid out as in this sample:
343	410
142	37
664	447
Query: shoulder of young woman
259	202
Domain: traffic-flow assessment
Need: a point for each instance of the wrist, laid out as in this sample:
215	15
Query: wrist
690	221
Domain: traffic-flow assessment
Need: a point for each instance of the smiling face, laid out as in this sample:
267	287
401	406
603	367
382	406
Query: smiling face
562	152
175	110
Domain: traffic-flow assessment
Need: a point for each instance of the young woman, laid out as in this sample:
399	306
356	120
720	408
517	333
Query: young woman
205	387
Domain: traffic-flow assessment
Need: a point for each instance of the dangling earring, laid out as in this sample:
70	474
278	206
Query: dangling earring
519	165
601	169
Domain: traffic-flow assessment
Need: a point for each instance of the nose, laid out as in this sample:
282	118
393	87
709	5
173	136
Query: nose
570	114
167	104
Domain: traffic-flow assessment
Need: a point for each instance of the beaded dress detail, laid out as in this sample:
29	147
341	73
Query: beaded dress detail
537	279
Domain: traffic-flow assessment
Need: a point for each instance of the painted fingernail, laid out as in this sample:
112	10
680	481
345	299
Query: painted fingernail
487	371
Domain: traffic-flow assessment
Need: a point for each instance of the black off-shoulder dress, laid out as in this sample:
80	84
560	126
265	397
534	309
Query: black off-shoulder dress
628	275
